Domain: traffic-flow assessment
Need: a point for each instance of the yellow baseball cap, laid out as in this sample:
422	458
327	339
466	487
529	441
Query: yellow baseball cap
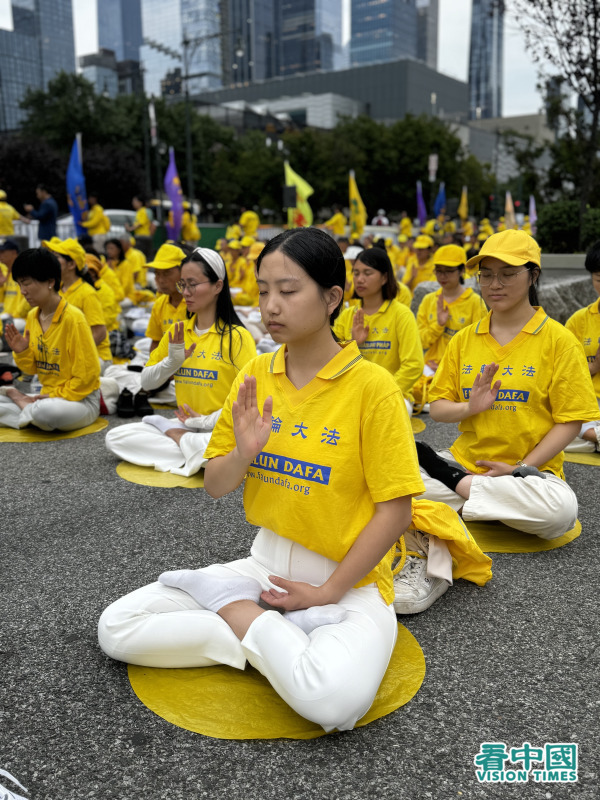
450	255
246	241
167	256
402	238
513	247
68	247
2	194
234	244
423	242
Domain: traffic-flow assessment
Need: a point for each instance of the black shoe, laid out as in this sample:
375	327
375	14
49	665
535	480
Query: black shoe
448	473
141	405
125	407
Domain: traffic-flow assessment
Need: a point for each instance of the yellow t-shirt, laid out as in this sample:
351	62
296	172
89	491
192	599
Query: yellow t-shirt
14	302
337	446
467	308
205	378
423	272
141	223
393	341
404	295
83	296
138	261
64	357
7	215
238	273
189	228
110	307
249	222
233	232
337	224
545	380
110	277
125	273
164	315
406	226
95	221
585	325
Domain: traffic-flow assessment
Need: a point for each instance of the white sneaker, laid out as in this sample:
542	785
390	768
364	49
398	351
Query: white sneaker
414	591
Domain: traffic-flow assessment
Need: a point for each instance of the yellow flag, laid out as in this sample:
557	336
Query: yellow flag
358	212
463	206
301	216
509	212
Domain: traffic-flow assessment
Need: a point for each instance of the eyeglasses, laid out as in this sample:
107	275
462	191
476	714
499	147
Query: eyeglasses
182	286
449	271
485	277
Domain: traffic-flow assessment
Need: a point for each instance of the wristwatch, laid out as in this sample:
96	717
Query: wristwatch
521	464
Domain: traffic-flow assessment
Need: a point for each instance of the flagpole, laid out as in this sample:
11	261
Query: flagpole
78	139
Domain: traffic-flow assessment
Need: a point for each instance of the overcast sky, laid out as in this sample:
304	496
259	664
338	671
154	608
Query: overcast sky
519	94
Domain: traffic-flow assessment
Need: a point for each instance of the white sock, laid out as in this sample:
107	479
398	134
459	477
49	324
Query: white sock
212	591
162	423
310	618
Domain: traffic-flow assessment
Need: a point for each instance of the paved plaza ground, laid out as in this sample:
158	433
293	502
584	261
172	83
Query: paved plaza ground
516	661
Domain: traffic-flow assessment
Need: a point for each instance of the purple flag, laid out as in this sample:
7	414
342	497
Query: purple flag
173	192
532	214
421	210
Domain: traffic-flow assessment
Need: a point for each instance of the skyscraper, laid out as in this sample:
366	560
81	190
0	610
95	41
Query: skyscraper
427	31
383	30
166	26
40	45
250	43
310	36
485	62
120	28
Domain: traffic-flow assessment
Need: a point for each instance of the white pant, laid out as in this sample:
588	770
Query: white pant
581	445
128	379
543	507
330	676
52	413
146	446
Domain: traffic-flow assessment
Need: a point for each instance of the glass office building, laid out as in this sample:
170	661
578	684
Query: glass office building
310	36
167	25
40	45
383	30
485	62
120	28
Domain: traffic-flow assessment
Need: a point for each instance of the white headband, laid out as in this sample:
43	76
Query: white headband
213	259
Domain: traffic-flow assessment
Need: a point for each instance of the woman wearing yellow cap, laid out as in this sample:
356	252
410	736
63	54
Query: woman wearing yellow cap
384	329
420	266
57	346
452	307
517	384
204	353
77	288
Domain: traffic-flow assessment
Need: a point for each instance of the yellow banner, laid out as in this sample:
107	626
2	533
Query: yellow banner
301	216
358	212
463	206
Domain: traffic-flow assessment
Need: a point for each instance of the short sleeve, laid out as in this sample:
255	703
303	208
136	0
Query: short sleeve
446	381
390	463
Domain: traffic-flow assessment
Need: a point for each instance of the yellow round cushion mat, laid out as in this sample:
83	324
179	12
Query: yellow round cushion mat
31	434
148	476
417	425
227	703
592	459
495	537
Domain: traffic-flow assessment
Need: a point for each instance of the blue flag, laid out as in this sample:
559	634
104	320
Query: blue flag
76	193
421	210
440	200
175	195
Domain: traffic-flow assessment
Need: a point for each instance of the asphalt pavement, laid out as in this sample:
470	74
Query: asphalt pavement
516	661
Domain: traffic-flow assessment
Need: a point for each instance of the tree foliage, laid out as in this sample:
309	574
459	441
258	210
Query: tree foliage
564	40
